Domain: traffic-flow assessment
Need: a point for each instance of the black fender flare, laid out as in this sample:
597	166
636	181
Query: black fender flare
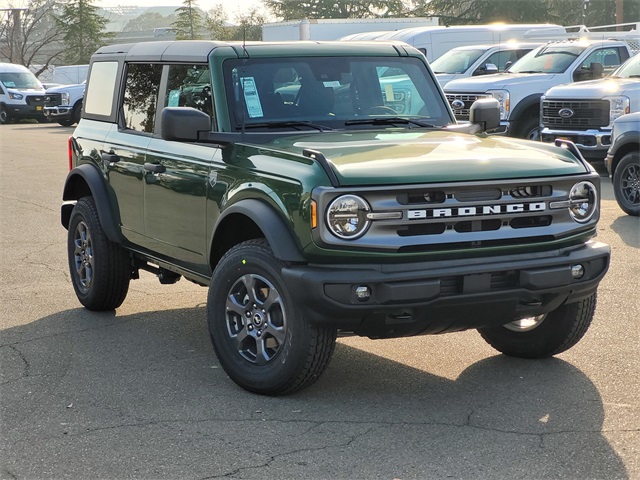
74	189
270	223
625	143
523	105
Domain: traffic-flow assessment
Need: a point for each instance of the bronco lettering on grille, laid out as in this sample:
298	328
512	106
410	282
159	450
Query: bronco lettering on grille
476	211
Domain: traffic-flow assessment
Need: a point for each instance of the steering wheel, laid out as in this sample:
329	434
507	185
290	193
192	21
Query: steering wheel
380	110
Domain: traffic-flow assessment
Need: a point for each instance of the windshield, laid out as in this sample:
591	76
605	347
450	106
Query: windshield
20	80
548	59
331	92
456	61
629	69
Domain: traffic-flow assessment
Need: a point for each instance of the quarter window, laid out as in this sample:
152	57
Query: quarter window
99	96
141	96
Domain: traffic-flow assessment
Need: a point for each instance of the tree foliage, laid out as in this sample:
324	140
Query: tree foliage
31	33
189	23
84	30
247	25
297	10
149	21
563	12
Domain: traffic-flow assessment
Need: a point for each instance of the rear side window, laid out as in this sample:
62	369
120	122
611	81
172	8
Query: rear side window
99	95
141	96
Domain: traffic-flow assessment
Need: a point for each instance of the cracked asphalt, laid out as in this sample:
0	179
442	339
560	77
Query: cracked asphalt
138	393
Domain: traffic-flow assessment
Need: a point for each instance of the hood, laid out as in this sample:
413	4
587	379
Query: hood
403	156
66	88
595	88
445	78
538	81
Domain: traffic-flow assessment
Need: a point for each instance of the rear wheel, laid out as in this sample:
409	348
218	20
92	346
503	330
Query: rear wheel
626	183
545	335
262	341
100	269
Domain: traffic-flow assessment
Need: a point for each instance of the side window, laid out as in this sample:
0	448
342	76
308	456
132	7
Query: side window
500	59
141	96
189	86
608	58
101	88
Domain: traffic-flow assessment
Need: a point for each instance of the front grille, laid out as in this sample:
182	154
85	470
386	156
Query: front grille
575	114
52	99
34	100
453	216
467	99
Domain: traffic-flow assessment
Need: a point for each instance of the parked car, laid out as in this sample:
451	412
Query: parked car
324	187
21	94
583	112
520	88
475	60
64	104
623	162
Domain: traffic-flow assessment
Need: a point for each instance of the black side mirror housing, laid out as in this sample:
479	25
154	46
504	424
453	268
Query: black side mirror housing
183	124
485	113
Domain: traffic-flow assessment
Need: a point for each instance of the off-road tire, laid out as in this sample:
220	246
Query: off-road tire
100	269
529	128
626	183
560	330
249	312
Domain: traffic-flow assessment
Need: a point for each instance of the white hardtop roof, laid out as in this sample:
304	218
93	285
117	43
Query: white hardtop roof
407	33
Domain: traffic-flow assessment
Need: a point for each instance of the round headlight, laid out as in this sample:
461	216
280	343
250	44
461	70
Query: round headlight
583	201
347	217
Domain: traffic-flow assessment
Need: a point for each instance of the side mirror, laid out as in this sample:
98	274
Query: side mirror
507	65
183	123
485	112
486	69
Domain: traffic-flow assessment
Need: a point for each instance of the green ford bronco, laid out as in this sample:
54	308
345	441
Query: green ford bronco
324	188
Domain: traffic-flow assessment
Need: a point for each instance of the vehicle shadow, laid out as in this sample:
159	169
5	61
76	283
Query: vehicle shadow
143	395
628	229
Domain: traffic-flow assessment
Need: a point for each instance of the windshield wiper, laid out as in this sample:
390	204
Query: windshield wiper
529	71
289	123
389	121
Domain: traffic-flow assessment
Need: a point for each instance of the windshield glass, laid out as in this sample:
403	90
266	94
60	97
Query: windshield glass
629	69
264	92
548	59
456	61
20	80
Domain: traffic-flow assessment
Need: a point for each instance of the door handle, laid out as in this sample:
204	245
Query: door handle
154	167
109	158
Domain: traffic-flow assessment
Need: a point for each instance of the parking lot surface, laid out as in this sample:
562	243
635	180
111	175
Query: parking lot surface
138	393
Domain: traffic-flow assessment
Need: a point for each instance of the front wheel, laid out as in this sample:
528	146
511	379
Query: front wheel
545	335
100	269
529	128
4	115
262	341
626	183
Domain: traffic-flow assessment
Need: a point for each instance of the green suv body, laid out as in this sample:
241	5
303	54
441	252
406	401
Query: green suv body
318	188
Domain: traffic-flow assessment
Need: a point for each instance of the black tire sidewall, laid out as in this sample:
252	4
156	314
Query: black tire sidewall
560	330
110	280
628	159
255	258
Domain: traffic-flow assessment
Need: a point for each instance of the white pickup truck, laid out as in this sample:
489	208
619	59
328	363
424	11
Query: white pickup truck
476	60
584	112
520	88
63	104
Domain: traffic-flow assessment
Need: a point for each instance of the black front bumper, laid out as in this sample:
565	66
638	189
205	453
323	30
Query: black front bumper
25	111
445	296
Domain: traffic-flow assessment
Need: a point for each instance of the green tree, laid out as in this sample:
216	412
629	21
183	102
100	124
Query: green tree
148	21
216	23
297	10
189	23
84	30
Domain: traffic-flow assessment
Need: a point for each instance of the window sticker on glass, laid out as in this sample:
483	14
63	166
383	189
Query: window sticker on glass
332	83
251	98
174	98
388	92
